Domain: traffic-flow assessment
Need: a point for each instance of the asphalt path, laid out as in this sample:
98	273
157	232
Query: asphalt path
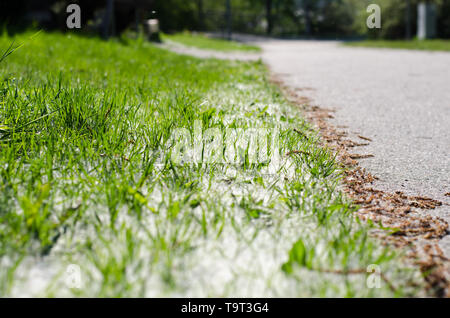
400	99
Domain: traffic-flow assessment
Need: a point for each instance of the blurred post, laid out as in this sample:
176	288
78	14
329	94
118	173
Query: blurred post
228	18
151	28
426	21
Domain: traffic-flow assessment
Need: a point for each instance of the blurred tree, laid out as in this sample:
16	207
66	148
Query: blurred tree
336	18
444	19
177	15
408	19
269	16
200	15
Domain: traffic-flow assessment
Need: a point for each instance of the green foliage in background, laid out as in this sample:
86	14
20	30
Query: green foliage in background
317	18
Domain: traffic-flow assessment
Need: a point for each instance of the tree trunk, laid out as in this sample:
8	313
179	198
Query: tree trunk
269	16
228	19
108	21
201	15
408	19
307	18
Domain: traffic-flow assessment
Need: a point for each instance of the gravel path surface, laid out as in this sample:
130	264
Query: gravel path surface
400	99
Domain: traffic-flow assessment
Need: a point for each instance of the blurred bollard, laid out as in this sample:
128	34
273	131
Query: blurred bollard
426	21
151	29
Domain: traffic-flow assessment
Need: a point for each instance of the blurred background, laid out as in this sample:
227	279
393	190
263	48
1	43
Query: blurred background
281	18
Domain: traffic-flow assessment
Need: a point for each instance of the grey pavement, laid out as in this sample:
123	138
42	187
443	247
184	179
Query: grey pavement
398	98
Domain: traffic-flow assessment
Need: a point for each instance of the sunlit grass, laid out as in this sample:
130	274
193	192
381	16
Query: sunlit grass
87	178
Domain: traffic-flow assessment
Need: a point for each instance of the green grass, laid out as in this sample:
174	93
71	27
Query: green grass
429	45
204	42
88	178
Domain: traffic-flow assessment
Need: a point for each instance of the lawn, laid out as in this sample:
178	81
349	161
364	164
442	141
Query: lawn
429	45
204	42
128	170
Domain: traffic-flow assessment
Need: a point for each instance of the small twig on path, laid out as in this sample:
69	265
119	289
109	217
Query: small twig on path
364	138
356	156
